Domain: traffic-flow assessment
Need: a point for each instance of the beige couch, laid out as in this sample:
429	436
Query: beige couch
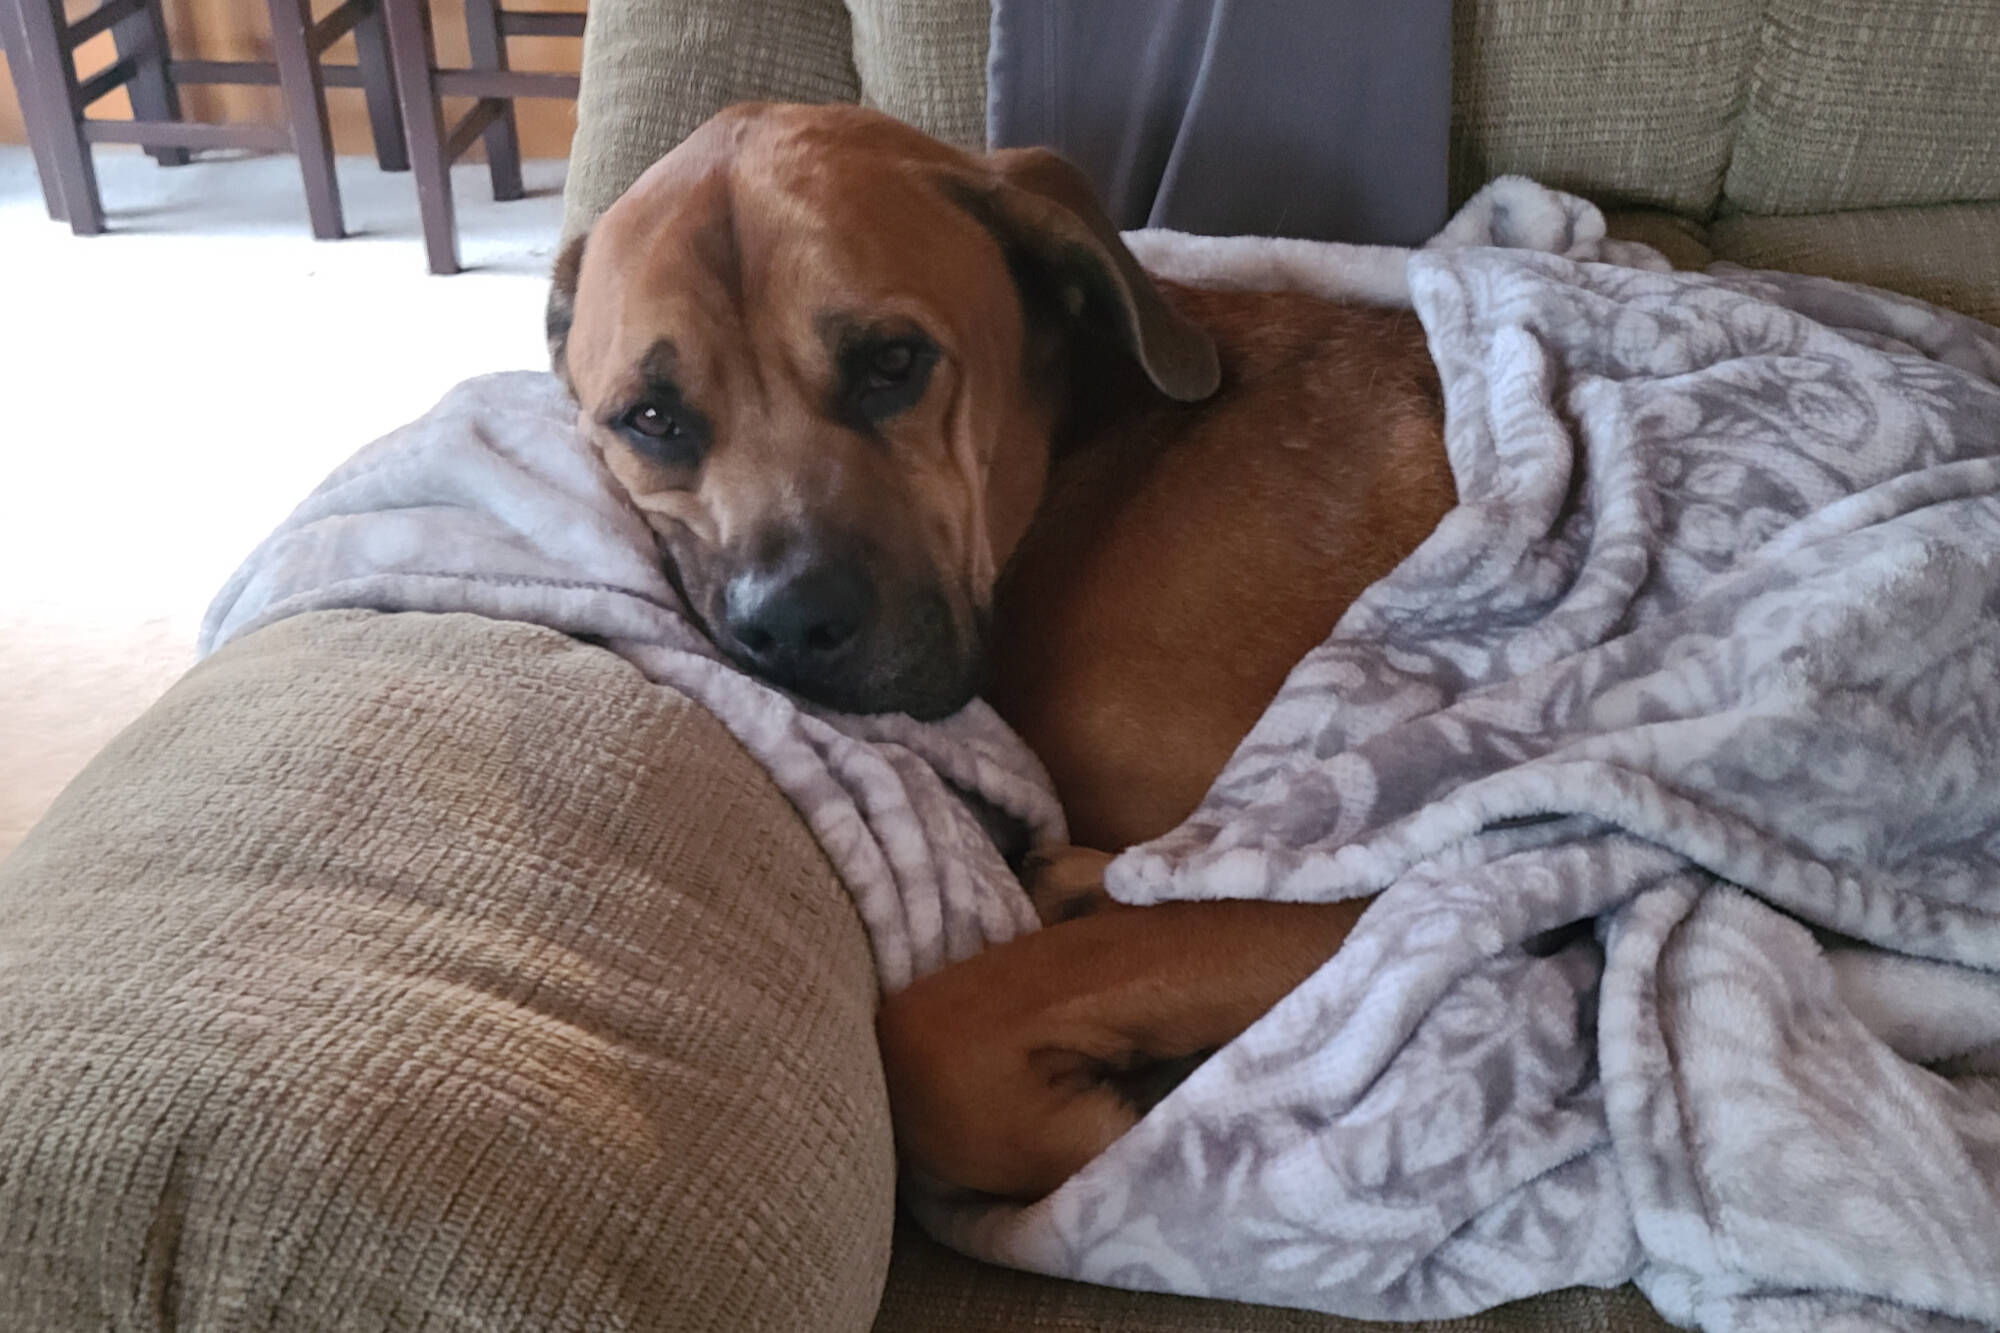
428	972
1851	138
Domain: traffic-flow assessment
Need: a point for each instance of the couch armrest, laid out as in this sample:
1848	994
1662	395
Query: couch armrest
425	971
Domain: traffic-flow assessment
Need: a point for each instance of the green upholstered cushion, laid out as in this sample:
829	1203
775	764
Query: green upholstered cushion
1949	254
1868	104
1631	103
652	71
1682	240
924	61
429	972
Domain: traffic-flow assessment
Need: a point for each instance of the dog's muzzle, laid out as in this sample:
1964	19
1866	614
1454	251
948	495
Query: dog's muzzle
824	627
798	625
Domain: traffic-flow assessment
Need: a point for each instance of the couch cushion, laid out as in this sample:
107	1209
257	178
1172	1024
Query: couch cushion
653	71
1870	103
426	972
1682	240
924	62
931	1288
1949	254
1625	103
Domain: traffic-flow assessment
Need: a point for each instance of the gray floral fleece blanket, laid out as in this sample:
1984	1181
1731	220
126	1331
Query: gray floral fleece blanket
1707	660
1708	656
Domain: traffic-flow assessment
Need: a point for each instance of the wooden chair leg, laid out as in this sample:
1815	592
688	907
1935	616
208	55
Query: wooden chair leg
378	81
412	54
52	84
305	113
488	47
142	39
14	42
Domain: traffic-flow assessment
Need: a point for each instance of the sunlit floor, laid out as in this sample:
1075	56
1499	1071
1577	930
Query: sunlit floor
170	390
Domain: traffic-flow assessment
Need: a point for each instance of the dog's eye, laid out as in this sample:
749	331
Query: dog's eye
891	365
880	378
665	429
648	420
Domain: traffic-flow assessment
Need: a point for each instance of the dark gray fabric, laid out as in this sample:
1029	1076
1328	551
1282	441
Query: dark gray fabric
1327	121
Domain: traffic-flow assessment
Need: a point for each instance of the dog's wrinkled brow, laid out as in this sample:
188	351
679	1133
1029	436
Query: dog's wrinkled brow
662	360
717	248
659	368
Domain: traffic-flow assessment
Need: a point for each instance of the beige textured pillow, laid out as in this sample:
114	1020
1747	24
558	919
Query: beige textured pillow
924	62
1949	254
655	69
1682	240
428	972
1871	103
1625	103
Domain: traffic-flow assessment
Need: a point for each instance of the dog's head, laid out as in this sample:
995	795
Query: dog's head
824	354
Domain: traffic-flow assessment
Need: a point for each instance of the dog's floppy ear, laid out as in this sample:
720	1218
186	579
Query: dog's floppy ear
561	312
1044	211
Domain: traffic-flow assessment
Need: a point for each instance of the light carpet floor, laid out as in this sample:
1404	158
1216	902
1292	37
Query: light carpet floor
171	390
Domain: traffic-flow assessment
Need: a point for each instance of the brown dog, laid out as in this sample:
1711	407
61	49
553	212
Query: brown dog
910	422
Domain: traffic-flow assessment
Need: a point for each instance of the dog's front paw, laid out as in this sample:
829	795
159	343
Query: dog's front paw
1065	883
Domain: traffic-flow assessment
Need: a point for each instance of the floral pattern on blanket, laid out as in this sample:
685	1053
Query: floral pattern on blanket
1708	656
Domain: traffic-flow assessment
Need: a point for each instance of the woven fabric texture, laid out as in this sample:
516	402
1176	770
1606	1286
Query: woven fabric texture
653	71
1867	104
1626	104
925	63
428	972
932	1289
1949	254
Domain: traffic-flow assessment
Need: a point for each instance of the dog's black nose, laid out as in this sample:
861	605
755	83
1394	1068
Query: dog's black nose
798	620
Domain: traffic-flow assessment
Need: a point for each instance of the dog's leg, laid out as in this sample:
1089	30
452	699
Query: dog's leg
1008	1071
1065	883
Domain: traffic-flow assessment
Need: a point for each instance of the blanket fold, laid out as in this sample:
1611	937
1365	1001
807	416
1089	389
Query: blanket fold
1708	657
1708	652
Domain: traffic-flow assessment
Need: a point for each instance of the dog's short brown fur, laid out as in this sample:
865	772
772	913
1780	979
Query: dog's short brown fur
907	420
